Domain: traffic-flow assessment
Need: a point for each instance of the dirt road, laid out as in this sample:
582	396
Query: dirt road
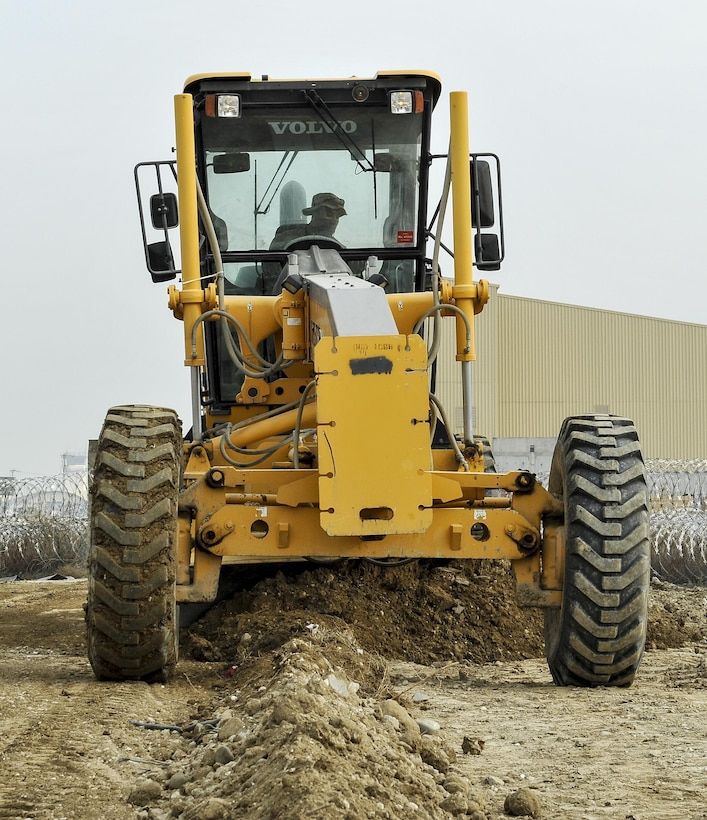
310	728
67	749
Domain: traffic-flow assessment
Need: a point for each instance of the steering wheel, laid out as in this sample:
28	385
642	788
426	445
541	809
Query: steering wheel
302	243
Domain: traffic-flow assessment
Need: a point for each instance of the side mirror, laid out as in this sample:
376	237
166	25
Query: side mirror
163	211
160	262
486	203
488	252
231	163
482	215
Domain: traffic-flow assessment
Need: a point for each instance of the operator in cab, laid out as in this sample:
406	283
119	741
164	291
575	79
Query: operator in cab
325	211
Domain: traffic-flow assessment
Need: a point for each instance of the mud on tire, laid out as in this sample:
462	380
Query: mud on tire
597	636
131	611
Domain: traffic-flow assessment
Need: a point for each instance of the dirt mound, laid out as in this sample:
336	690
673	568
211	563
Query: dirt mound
424	612
306	744
317	727
677	615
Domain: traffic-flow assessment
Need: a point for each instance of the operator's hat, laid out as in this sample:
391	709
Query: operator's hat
330	201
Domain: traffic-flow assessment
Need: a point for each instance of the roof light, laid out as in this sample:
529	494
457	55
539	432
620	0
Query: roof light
401	102
229	105
406	102
223	105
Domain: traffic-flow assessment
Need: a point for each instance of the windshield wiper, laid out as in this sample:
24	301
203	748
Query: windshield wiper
259	206
357	154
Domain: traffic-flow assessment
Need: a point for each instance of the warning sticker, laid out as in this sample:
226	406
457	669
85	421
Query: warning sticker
406	237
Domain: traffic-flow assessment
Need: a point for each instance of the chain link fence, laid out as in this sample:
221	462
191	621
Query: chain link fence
44	522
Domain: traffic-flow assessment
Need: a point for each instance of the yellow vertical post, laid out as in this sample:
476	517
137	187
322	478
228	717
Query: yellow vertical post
464	290
191	297
461	204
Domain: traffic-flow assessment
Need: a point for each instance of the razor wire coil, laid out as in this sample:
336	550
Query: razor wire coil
678	505
43	523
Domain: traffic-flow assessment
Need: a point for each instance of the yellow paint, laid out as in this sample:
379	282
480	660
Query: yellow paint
188	230
461	203
375	488
374	435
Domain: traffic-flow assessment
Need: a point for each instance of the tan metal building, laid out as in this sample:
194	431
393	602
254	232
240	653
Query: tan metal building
539	362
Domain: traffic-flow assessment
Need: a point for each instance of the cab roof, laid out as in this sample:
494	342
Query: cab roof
433	80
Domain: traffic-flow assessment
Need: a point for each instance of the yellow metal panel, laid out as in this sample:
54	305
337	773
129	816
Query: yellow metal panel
374	435
271	531
243	76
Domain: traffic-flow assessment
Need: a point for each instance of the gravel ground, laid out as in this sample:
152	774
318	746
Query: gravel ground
350	692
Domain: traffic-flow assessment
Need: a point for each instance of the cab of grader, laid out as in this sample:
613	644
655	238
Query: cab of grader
313	306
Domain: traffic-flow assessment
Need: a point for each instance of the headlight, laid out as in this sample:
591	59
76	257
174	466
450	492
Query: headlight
401	102
406	102
229	105
223	105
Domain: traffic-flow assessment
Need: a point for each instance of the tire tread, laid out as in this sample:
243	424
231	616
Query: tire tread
597	636
131	610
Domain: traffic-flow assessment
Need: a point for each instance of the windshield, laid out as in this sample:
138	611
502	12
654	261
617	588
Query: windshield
277	175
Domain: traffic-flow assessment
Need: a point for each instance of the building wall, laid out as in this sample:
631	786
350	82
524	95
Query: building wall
539	362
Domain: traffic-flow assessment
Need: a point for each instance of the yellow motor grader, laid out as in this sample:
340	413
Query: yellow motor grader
313	307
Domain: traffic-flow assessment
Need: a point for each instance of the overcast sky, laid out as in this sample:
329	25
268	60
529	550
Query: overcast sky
597	110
